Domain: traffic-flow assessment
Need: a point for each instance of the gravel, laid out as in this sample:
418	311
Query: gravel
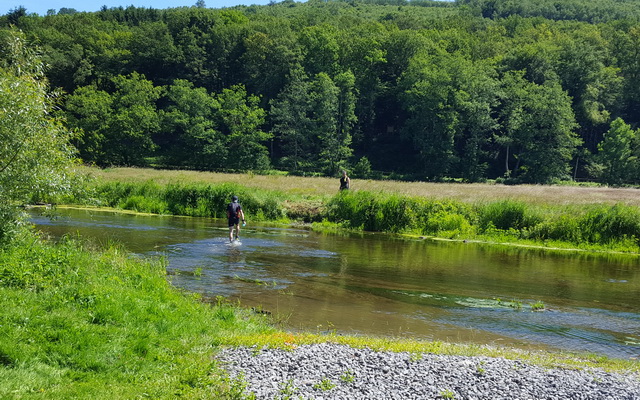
331	371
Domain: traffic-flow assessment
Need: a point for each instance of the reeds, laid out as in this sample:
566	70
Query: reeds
612	226
327	187
195	200
606	225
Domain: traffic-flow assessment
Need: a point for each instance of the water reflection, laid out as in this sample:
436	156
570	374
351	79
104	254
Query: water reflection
384	285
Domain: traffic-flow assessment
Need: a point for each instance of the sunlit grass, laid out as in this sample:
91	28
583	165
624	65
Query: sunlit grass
89	323
583	224
320	186
290	341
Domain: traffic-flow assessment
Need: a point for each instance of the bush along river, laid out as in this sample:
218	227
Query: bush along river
384	285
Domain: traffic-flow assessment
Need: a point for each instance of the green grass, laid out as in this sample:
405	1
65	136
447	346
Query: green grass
418	348
323	187
87	323
81	322
592	227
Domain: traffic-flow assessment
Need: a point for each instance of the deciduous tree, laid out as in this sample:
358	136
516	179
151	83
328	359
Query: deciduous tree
240	119
35	154
616	153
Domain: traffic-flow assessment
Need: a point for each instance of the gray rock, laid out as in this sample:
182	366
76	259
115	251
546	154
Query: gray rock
330	371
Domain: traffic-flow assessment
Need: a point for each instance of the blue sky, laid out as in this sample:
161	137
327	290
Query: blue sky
41	6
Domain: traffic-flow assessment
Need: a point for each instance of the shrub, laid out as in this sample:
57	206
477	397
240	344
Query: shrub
362	169
563	227
605	224
435	216
395	213
369	211
447	224
506	215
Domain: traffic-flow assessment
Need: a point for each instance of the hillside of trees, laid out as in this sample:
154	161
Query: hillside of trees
530	91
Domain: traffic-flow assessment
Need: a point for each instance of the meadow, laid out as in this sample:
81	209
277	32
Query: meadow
326	187
561	217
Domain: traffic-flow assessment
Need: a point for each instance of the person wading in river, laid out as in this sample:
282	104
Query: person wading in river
234	215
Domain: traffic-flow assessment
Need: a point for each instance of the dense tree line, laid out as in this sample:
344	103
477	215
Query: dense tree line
526	91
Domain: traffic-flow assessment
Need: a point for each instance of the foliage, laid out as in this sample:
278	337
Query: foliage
333	105
35	154
539	125
117	127
324	385
504	220
469	90
395	213
506	215
589	226
240	118
362	169
616	153
290	112
196	200
596	11
188	135
607	224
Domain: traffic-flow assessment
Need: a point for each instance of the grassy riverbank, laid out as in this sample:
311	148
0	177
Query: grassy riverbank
587	218
321	187
81	322
85	323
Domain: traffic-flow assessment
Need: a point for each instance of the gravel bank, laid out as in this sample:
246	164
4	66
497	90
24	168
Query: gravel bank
329	371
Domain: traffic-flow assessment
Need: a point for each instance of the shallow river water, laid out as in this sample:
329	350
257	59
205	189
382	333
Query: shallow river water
383	285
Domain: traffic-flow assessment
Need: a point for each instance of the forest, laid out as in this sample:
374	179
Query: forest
472	90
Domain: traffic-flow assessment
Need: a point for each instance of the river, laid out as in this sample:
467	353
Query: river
385	285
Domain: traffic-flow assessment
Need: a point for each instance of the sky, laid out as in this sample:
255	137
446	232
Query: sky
42	6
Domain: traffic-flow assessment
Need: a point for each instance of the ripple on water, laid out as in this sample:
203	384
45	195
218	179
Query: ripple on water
581	332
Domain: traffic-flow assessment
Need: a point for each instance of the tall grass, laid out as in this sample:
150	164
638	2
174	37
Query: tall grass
394	213
506	215
616	226
327	187
80	323
196	200
612	226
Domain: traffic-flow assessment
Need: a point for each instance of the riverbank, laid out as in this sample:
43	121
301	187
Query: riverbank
568	218
321	187
83	322
332	371
78	321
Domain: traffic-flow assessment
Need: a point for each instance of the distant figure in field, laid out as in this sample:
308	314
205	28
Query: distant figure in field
345	182
234	215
